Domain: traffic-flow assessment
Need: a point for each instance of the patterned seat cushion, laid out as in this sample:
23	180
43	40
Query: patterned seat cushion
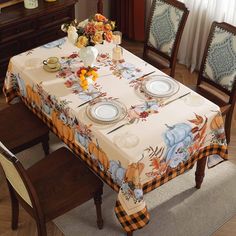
220	63
164	26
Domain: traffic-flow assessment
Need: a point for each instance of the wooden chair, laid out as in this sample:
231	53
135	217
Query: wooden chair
217	75
164	30
21	129
51	187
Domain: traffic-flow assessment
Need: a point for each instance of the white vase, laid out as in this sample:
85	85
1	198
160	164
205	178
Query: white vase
88	55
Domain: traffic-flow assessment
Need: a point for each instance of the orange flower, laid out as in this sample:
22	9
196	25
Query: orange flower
99	26
108	36
84	83
83	73
97	38
90	28
82	42
82	77
100	17
107	27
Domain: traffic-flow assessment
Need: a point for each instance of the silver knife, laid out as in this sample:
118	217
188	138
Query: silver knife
90	100
176	98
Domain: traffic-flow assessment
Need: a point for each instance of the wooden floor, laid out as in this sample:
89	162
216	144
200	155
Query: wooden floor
27	226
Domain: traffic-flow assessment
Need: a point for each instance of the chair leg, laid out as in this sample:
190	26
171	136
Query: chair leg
200	172
98	203
41	228
14	208
228	120
45	144
172	70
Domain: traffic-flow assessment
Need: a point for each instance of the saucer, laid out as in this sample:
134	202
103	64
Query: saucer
48	69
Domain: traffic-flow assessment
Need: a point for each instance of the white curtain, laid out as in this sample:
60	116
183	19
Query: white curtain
202	14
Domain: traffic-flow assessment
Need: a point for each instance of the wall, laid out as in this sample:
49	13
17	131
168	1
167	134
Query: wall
86	8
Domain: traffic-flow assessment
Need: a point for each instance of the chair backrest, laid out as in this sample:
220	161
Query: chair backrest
165	27
13	171
218	66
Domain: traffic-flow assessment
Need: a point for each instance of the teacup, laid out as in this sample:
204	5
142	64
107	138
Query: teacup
51	62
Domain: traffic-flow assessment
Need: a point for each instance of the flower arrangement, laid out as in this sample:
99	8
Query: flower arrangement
90	32
86	76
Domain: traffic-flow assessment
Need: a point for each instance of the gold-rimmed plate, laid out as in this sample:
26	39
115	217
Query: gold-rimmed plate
106	111
159	86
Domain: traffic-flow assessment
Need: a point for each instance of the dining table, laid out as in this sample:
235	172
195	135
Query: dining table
135	131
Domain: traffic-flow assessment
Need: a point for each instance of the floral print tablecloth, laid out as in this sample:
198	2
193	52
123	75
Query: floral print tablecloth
162	143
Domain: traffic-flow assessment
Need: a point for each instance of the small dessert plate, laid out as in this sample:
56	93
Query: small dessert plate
48	69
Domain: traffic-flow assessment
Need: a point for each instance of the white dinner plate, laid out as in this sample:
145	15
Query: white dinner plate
160	86
105	111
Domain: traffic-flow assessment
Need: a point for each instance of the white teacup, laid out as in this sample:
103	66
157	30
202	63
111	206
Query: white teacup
51	62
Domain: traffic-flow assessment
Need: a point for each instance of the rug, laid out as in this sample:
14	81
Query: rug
176	208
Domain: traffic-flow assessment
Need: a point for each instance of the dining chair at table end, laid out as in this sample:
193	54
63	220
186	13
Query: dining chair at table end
217	75
163	33
21	129
51	187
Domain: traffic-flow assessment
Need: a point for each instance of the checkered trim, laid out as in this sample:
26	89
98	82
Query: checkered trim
131	222
9	94
183	167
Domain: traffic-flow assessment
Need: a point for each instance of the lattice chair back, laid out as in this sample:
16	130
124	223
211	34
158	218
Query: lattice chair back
164	26
219	60
163	34
9	163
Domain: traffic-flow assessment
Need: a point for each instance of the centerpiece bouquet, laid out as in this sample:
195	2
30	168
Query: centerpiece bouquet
90	32
85	35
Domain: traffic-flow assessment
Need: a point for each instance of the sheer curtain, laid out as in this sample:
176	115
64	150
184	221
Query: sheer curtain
202	14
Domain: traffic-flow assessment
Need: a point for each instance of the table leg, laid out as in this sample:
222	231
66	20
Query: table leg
200	172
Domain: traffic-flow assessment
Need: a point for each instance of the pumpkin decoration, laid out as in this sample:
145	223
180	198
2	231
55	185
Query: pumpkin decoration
83	140
33	96
217	122
178	138
177	133
63	129
98	154
133	173
117	172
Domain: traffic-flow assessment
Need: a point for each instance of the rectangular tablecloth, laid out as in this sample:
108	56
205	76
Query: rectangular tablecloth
162	143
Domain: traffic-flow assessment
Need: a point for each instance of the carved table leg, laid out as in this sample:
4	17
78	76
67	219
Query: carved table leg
200	172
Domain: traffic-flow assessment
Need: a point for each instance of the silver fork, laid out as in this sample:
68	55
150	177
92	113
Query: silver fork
127	123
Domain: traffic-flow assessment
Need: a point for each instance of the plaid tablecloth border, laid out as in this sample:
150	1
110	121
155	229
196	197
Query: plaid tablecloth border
131	222
9	94
205	152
